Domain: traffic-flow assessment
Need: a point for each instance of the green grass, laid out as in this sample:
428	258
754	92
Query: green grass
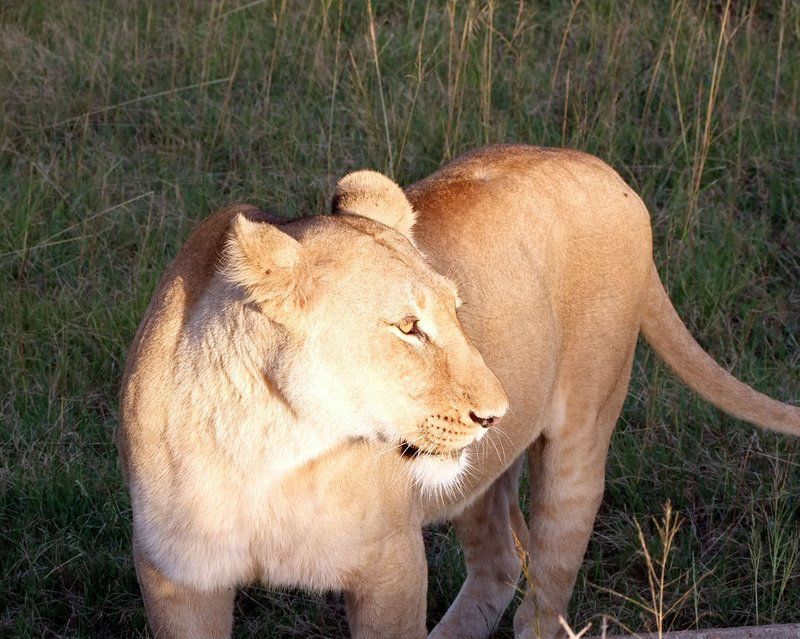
122	124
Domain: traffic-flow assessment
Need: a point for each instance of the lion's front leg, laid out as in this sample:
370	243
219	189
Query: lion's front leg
179	612
387	598
492	532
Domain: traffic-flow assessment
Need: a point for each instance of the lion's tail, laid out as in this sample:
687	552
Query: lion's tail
670	338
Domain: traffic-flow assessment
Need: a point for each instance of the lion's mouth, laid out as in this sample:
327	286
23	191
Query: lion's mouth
409	451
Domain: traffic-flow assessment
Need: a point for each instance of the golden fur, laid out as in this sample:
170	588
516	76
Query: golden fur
552	255
272	386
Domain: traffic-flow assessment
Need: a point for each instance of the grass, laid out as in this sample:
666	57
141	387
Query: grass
123	123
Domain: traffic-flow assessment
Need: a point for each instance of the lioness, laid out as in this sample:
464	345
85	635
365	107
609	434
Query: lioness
552	254
264	351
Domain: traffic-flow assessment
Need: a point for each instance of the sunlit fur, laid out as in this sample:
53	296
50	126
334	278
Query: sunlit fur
552	254
268	398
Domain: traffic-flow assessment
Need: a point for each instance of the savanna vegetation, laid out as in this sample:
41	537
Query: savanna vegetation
124	123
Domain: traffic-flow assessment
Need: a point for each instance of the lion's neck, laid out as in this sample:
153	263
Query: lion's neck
226	381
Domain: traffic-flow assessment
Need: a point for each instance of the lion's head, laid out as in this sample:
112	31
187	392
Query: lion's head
359	335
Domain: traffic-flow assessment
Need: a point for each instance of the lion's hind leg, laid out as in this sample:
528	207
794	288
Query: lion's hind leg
567	479
179	612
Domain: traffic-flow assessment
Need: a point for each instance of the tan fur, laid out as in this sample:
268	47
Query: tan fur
372	194
552	254
264	407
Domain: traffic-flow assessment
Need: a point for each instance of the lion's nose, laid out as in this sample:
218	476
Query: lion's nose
483	421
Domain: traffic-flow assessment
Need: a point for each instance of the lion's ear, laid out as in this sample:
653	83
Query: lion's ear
266	262
373	195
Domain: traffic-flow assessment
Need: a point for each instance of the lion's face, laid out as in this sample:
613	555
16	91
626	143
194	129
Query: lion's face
385	336
371	343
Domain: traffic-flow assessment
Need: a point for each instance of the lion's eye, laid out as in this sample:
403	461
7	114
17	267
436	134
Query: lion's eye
409	326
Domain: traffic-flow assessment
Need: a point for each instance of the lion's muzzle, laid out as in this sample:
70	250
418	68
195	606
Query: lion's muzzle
447	433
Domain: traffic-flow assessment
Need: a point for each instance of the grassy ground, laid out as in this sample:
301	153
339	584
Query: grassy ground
122	123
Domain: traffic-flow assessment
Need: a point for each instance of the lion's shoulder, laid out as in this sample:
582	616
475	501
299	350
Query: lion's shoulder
183	283
185	280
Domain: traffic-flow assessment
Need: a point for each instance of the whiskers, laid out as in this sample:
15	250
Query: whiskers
501	454
394	446
443	484
439	478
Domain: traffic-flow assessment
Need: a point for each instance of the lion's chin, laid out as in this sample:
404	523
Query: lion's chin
438	474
